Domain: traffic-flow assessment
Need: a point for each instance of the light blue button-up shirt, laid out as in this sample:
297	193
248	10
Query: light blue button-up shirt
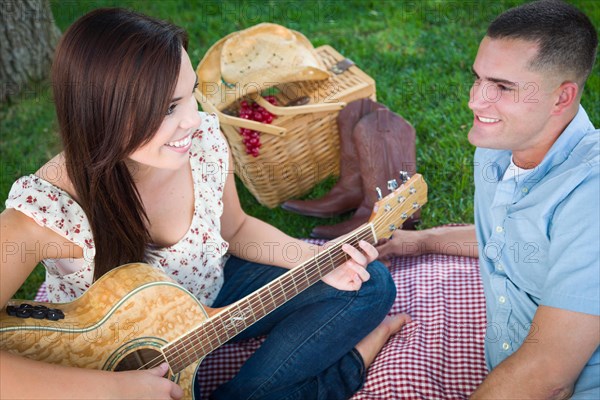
539	241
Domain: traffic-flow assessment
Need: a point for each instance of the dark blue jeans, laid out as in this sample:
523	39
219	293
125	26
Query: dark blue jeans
309	351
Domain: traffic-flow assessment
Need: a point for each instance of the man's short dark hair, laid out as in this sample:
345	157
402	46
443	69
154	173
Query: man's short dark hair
567	39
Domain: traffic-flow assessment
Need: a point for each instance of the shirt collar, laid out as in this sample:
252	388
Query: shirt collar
564	144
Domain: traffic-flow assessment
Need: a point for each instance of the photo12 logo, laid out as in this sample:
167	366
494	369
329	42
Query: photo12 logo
494	92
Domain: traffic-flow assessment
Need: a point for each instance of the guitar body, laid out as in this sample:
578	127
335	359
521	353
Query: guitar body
120	323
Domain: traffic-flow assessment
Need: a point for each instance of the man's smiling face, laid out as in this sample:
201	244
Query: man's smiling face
512	104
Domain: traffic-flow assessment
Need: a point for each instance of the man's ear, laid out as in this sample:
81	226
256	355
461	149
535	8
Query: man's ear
568	93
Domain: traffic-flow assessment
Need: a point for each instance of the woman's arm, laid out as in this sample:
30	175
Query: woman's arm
254	240
21	378
23	244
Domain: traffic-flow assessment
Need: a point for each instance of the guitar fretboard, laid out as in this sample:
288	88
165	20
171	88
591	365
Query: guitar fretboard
222	327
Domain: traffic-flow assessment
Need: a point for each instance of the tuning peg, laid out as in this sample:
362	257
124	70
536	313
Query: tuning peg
404	177
379	194
392	185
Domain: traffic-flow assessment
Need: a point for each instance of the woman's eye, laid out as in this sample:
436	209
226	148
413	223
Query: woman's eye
171	109
504	88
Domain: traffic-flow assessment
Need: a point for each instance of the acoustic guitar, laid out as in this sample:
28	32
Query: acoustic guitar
135	317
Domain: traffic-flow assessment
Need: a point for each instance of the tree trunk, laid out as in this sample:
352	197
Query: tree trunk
28	36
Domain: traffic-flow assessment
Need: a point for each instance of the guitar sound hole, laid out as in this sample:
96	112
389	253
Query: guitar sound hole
140	359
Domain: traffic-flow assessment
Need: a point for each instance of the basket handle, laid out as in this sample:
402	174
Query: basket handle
235	121
306	109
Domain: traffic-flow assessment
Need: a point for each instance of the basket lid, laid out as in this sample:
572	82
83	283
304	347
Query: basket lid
255	59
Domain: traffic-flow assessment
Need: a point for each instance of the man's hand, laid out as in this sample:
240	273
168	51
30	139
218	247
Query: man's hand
402	243
451	240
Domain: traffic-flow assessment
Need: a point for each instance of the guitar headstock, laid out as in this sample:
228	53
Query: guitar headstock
391	211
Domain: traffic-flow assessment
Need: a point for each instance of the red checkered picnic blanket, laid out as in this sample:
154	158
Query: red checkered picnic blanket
439	355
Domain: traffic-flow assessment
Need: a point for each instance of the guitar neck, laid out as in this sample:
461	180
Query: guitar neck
217	330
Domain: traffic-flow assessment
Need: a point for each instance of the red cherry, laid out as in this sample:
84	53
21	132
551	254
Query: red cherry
252	111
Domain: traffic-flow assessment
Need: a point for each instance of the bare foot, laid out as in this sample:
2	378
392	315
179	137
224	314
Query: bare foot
372	344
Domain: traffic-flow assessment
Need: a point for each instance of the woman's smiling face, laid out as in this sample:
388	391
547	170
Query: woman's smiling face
169	147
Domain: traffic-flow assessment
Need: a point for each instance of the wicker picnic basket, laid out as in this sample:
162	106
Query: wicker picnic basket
301	147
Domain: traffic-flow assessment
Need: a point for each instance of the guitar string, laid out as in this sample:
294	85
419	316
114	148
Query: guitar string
191	339
275	295
278	292
194	340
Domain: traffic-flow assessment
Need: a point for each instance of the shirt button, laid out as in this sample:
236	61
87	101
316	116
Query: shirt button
502	299
525	190
499	229
500	267
505	346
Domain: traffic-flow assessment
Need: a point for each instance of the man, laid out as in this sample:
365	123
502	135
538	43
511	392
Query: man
537	217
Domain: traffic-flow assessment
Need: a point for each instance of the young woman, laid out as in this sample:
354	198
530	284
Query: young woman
144	176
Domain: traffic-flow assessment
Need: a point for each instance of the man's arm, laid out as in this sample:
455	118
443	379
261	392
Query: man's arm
546	366
451	240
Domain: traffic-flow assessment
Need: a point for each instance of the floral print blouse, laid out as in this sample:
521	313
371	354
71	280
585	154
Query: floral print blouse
195	262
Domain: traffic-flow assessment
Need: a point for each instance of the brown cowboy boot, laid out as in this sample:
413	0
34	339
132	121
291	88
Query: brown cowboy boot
385	144
346	194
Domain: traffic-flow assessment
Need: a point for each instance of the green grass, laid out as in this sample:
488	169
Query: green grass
419	52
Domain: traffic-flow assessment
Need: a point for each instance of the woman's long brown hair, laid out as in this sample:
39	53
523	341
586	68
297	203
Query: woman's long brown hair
113	76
